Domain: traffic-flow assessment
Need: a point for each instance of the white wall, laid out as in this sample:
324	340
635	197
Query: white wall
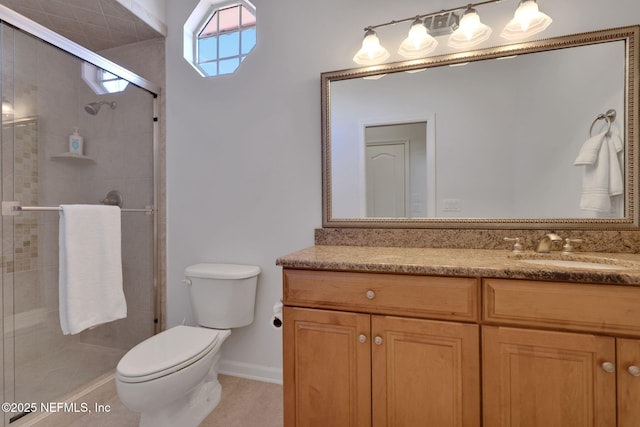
243	151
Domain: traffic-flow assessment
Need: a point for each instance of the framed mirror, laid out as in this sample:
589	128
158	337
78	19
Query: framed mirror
529	135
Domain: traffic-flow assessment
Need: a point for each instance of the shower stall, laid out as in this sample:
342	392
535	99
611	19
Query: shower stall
50	86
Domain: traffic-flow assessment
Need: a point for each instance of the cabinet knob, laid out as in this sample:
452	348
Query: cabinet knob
634	370
362	338
378	340
608	367
370	294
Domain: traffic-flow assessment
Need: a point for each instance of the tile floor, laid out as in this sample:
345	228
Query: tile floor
244	403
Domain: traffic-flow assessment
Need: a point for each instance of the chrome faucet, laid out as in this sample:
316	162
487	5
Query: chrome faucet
544	246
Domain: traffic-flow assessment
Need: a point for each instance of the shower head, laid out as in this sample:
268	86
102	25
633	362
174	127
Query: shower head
93	107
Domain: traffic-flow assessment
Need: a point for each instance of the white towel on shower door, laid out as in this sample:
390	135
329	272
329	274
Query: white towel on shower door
90	279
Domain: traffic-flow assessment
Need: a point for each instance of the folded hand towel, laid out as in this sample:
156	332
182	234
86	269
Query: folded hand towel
616	182
589	152
90	281
602	177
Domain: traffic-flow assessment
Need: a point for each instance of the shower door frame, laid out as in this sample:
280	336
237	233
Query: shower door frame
28	26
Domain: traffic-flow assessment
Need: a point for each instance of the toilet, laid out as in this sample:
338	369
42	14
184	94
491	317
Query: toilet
171	378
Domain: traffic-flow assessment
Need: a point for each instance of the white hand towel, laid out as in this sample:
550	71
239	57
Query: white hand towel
616	180
602	177
589	152
90	280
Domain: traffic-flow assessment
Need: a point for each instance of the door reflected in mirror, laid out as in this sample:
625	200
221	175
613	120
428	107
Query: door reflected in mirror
396	170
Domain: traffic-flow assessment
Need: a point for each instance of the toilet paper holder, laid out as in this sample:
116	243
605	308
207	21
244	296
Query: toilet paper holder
276	319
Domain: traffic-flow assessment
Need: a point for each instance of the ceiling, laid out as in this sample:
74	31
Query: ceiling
94	24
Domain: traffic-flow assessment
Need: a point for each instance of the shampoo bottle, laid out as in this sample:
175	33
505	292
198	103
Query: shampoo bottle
75	143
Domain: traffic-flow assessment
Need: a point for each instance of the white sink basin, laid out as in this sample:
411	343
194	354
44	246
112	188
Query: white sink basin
575	264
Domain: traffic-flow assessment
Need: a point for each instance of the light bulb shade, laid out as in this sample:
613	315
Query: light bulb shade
470	32
418	43
7	108
372	52
527	21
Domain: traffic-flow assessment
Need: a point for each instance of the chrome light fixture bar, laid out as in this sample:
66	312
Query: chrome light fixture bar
465	32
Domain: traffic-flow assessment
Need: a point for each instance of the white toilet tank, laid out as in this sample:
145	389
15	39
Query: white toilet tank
223	296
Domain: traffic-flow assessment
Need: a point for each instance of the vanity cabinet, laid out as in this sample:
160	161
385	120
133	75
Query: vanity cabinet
372	366
537	378
557	378
382	349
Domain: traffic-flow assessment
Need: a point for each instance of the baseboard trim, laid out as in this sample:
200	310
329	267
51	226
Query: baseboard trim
250	371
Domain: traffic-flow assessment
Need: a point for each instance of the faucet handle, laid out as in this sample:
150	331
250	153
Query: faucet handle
568	248
517	247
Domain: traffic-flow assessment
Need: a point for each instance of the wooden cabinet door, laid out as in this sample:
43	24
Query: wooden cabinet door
628	371
547	379
326	368
425	373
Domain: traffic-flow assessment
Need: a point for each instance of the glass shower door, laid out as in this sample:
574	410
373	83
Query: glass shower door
22	279
43	99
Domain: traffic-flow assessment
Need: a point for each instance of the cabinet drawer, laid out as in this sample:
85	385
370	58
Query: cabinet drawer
420	296
571	306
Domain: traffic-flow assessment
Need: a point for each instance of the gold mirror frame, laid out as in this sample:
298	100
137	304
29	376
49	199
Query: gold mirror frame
630	221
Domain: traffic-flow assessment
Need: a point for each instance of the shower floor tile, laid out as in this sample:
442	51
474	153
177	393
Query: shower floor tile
50	378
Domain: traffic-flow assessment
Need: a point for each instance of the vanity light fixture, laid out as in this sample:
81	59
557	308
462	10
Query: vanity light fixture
527	21
466	32
470	32
419	42
371	52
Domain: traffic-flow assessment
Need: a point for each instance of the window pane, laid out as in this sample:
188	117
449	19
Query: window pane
248	19
209	68
228	66
111	82
207	49
229	19
229	45
248	40
211	28
113	86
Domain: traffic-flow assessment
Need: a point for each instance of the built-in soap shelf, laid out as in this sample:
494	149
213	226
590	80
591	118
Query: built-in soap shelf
73	157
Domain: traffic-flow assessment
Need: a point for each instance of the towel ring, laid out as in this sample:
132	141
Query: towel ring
608	117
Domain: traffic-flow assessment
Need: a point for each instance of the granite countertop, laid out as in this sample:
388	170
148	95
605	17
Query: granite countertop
465	262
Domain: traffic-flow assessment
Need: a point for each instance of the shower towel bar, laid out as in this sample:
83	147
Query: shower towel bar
13	208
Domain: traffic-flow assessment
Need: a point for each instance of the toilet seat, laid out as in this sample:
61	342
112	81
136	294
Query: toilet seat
166	352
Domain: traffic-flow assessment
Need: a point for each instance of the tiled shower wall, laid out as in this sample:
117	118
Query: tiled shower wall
24	182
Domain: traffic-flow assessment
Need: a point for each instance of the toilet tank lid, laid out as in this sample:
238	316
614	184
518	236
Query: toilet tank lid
222	271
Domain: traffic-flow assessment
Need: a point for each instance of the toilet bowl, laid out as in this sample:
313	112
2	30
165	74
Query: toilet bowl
171	378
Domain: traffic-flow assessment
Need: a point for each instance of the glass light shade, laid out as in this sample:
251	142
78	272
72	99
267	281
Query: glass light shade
527	21
7	108
372	52
470	32
419	42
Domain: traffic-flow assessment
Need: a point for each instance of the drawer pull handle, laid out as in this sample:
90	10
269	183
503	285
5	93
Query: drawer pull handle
608	367
370	294
362	338
378	340
634	370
